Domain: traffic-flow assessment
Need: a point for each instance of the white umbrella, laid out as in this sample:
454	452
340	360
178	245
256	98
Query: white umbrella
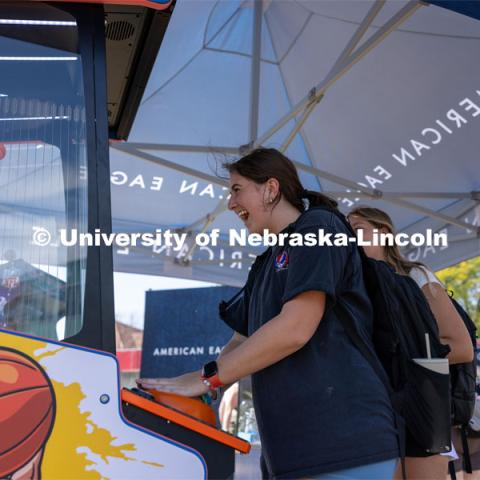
377	102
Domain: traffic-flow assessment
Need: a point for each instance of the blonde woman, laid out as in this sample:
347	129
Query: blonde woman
451	327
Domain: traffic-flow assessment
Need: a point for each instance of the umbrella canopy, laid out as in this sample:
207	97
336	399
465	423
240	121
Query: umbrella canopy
377	103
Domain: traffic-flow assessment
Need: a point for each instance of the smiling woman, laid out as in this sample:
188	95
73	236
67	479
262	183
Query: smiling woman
320	407
256	188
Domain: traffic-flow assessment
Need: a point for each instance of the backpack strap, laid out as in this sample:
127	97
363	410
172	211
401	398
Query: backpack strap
467	461
358	341
451	470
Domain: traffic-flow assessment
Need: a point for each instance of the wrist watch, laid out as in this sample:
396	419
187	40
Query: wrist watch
210	376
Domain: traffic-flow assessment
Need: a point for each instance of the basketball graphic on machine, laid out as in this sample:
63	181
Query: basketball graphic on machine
27	403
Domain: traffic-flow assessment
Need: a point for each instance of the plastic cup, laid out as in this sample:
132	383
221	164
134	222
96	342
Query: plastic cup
439	365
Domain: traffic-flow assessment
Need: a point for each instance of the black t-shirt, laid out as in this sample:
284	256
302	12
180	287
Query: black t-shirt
322	408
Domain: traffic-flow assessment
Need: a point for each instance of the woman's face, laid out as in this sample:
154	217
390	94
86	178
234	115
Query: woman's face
250	201
359	223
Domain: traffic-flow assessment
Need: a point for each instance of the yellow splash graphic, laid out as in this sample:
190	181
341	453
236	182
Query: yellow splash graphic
72	429
153	464
25	345
70	432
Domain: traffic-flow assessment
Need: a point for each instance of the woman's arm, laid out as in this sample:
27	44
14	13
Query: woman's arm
191	377
232	344
286	333
283	335
450	325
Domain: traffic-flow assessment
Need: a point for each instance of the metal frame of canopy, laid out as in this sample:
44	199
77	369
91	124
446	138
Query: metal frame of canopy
351	54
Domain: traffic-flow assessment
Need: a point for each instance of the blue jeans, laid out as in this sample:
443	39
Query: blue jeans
374	471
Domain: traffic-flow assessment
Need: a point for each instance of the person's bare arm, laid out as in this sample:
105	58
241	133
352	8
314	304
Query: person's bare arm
232	344
283	335
236	340
450	325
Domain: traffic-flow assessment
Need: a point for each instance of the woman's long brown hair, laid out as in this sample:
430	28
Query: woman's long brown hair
264	163
379	219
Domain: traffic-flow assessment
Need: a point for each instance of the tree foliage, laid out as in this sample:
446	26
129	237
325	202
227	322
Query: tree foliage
463	280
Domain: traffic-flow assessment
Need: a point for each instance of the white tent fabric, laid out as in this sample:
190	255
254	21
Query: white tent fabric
377	102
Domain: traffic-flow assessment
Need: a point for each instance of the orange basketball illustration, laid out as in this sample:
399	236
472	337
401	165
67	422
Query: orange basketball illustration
27	410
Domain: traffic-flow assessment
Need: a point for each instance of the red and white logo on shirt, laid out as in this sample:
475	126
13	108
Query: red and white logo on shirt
281	261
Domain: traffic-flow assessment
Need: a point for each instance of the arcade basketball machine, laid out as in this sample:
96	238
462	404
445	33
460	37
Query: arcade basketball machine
72	76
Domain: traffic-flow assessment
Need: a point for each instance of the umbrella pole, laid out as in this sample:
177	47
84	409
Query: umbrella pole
352	59
298	126
255	69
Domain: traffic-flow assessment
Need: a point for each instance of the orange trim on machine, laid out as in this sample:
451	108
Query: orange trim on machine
141	3
185	421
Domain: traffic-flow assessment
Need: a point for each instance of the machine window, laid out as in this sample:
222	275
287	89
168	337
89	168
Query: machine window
43	171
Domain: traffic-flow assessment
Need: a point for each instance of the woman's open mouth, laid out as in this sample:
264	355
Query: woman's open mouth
243	214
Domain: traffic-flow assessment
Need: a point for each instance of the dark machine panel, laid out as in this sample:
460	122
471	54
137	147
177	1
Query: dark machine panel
216	446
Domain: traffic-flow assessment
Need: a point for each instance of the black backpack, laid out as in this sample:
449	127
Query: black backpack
463	388
402	317
463	376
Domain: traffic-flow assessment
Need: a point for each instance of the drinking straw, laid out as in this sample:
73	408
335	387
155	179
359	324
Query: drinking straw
427	341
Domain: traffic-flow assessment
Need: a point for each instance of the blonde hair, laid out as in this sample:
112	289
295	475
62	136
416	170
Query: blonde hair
379	219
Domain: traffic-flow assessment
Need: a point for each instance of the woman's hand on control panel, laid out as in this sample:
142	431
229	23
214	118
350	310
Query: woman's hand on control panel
188	385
